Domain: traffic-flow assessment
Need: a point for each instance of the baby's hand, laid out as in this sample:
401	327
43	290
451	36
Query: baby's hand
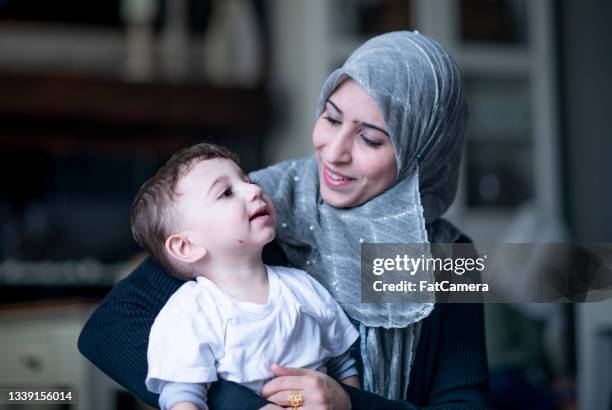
272	407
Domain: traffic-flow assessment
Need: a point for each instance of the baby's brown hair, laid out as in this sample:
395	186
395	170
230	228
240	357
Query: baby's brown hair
153	210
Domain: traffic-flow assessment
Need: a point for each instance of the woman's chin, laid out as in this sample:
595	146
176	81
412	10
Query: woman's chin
336	199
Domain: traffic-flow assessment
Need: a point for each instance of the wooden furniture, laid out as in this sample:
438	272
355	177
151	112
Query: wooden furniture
58	112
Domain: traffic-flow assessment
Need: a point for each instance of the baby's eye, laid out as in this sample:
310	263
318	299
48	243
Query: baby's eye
227	193
253	181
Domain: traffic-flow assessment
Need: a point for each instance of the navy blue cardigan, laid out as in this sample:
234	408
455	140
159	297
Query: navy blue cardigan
449	372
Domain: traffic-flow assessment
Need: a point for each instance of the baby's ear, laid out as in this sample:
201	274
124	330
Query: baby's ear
181	248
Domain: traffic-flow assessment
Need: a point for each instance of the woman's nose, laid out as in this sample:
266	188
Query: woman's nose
338	149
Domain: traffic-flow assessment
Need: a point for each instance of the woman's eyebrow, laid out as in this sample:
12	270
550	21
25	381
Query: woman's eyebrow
330	102
365	124
374	127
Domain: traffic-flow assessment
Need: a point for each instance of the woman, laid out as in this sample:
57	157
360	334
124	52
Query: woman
388	140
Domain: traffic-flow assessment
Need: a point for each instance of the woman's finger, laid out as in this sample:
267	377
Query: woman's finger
280	398
272	407
290	371
283	383
312	400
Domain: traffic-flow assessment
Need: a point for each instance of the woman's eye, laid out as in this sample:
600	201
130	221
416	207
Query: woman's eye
331	120
370	142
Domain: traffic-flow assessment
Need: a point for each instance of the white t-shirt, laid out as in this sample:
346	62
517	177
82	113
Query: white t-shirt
203	334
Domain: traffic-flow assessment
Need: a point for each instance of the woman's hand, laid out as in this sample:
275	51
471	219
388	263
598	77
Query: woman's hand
320	391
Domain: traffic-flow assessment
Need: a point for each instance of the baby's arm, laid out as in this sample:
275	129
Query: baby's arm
183	396
343	369
338	335
190	396
185	405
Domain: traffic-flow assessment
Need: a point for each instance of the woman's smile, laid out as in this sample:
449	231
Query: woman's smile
335	179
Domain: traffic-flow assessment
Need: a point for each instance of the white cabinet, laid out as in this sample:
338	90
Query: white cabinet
38	350
29	358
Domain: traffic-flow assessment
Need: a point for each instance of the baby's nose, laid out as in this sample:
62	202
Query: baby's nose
255	192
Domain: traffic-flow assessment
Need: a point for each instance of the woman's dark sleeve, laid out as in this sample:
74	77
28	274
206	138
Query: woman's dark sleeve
116	337
450	368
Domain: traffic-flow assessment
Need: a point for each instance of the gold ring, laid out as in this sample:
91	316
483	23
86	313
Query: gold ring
295	399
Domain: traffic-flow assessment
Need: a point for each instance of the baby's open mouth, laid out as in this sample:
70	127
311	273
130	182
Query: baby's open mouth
262	211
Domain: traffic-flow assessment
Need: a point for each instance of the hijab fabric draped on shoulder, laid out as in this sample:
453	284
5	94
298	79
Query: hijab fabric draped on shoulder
417	88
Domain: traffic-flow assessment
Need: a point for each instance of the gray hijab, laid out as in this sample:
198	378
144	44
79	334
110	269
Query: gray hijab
417	88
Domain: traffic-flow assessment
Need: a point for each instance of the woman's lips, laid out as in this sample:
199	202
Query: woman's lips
335	180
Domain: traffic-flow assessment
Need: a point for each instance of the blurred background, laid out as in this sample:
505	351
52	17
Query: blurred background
94	96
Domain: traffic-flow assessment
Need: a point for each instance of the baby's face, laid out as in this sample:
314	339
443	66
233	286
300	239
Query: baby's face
221	209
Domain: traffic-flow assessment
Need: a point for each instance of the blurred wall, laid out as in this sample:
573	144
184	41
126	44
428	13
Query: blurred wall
586	84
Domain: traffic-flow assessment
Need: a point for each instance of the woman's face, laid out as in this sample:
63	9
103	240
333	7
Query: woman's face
353	148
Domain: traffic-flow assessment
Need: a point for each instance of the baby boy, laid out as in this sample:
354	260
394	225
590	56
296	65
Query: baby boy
206	222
